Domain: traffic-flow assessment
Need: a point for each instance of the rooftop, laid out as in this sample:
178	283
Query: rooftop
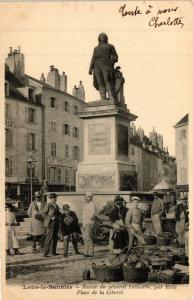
183	121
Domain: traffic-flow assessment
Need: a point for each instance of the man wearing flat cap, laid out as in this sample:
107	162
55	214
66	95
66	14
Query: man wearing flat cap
157	211
51	224
117	219
134	220
69	228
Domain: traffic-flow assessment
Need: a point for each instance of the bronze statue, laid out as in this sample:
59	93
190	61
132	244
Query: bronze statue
102	67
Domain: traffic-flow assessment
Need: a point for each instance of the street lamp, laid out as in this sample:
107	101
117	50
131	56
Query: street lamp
31	164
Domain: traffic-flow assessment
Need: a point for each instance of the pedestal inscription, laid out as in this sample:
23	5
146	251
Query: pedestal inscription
99	139
96	181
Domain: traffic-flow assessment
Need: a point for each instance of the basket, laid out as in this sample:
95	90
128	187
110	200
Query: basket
181	278
161	277
135	274
150	240
108	273
162	241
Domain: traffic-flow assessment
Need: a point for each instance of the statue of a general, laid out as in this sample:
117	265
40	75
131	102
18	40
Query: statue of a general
102	67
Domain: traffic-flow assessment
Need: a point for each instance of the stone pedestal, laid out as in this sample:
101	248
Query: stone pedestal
106	147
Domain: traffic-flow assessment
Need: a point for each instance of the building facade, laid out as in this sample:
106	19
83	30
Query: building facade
41	122
152	161
181	143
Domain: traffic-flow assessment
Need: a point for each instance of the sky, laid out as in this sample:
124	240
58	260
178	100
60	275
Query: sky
156	62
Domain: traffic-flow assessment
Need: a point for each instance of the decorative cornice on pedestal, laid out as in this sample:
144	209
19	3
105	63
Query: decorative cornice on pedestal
106	108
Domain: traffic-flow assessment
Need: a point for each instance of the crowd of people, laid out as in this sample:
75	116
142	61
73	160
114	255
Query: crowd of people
48	222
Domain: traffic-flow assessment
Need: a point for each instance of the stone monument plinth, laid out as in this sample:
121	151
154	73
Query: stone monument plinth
105	166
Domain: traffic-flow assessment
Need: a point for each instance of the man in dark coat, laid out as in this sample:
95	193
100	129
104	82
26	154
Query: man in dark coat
69	228
102	66
117	218
51	224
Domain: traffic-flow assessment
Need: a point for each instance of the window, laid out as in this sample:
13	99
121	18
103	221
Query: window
59	175
31	141
31	94
66	106
53	149
182	134
53	126
66	176
66	129
8	138
31	115
66	149
75	110
75	152
132	151
8	167
52	175
6	89
53	102
7	111
75	132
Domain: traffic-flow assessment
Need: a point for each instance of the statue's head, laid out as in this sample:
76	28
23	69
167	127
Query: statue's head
103	38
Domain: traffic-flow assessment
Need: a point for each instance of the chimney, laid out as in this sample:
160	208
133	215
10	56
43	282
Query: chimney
15	62
53	77
81	92
42	78
63	82
74	91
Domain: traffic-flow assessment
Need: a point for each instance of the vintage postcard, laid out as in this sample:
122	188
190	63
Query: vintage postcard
96	156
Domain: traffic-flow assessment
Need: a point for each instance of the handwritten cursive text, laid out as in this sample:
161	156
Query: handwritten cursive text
155	22
125	12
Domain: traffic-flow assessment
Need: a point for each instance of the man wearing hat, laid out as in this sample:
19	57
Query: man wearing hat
35	212
157	211
51	225
181	217
134	220
69	228
44	189
117	217
88	218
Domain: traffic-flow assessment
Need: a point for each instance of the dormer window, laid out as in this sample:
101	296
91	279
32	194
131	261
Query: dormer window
31	94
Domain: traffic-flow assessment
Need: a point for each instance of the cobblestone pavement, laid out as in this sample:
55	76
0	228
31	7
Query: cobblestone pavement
29	268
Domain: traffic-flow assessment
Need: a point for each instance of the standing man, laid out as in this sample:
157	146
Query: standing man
157	211
133	220
102	66
35	212
117	218
88	218
181	217
51	224
44	189
70	228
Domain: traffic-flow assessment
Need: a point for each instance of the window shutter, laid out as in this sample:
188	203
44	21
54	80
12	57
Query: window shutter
69	130
26	114
27	141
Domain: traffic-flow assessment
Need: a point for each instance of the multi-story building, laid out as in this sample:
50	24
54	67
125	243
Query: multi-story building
181	142
41	122
23	136
151	160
